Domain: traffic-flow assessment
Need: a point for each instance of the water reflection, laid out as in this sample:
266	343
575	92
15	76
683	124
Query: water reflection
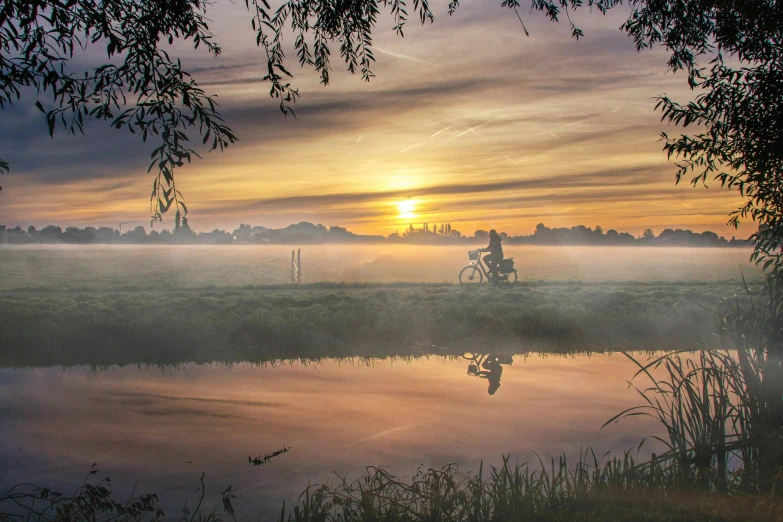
162	429
489	367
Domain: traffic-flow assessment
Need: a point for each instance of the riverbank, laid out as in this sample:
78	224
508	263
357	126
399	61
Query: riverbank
278	322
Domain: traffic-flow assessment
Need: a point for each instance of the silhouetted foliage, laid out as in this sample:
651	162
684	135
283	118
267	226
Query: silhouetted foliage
4	168
140	87
739	104
95	502
563	489
91	501
149	93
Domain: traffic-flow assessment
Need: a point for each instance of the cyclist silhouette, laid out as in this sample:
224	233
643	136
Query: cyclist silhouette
495	256
492	370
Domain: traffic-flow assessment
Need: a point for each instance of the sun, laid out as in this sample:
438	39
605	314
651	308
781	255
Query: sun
406	209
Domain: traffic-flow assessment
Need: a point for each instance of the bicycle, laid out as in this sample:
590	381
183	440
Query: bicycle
487	366
475	272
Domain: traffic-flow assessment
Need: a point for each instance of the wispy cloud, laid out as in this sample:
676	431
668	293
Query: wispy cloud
471	129
402	56
225	67
441	131
234	81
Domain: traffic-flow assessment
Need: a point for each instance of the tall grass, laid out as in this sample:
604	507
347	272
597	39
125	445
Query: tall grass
723	409
701	400
25	502
616	488
94	502
753	327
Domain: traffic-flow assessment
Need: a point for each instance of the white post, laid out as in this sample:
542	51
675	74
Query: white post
298	265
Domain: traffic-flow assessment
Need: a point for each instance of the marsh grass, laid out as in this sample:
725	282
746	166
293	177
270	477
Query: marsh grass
612	488
93	501
753	326
723	409
90	501
701	400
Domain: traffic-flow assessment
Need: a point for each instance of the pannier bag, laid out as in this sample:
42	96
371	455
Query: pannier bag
507	265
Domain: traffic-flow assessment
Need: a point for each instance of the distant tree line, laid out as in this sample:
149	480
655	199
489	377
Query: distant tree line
581	235
308	233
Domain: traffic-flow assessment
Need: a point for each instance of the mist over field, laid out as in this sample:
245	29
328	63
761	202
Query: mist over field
110	267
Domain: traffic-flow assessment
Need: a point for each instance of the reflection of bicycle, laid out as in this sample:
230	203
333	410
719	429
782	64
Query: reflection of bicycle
487	366
474	362
475	273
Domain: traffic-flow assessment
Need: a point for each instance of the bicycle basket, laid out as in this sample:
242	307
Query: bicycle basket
507	265
473	255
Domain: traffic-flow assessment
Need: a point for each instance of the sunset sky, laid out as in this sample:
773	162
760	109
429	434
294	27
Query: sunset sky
468	121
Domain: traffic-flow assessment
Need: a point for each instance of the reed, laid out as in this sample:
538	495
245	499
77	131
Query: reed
93	501
752	328
609	488
701	400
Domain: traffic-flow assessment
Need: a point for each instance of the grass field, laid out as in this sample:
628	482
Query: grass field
118	304
268	323
110	304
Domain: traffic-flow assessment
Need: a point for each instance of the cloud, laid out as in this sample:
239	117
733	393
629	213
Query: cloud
582	180
402	56
227	67
234	81
549	121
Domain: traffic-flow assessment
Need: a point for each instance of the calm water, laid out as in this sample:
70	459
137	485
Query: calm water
103	267
162	428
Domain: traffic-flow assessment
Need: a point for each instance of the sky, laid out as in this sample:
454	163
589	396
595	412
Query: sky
468	121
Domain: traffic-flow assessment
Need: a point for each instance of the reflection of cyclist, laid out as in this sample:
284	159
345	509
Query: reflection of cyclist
492	370
495	256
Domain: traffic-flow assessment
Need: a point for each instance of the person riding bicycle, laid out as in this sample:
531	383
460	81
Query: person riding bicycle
495	256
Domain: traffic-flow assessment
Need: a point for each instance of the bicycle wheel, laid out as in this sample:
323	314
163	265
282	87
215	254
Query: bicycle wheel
509	281
470	275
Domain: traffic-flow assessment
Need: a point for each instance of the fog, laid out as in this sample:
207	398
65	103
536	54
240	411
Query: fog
110	267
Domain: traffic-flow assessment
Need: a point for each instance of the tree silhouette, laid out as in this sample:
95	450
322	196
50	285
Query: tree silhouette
143	89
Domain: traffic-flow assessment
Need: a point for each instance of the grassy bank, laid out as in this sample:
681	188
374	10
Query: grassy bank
592	490
333	320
